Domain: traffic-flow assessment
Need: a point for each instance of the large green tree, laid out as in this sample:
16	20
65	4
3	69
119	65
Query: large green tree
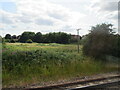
38	37
26	36
100	41
64	38
14	37
8	36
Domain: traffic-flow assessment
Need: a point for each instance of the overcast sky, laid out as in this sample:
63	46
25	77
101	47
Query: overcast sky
17	16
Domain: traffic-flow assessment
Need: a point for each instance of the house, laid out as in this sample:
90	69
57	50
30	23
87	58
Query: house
75	37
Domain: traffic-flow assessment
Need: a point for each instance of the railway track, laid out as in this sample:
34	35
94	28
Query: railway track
96	83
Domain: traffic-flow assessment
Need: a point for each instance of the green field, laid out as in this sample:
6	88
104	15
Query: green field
25	64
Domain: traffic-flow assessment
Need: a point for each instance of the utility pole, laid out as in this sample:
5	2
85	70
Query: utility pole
78	38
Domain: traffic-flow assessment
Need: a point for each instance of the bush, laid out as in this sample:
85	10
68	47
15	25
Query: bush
7	40
13	41
101	42
29	41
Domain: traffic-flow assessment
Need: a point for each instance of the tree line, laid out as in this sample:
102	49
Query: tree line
100	42
29	37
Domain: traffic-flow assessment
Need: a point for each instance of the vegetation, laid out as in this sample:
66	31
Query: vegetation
36	63
60	37
38	58
27	36
29	41
8	36
38	37
101	42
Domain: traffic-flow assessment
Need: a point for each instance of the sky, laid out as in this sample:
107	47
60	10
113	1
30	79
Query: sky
17	16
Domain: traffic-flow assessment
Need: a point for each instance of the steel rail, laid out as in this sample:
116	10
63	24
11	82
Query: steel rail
64	85
99	86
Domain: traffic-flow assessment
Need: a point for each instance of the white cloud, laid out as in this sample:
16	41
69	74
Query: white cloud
50	15
6	17
41	15
42	21
101	7
106	11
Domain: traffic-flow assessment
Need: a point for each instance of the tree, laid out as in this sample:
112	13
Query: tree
99	41
14	37
58	37
38	37
114	45
8	36
26	35
102	28
64	38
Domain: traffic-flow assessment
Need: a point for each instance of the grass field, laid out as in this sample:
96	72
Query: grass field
25	64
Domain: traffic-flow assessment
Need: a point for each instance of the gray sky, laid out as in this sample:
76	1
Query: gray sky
17	16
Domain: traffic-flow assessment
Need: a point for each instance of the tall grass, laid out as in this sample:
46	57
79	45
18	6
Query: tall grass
34	63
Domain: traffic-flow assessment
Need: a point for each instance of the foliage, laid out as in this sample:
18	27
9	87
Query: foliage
29	41
14	40
101	42
38	37
8	36
59	37
14	37
7	40
25	63
114	45
26	35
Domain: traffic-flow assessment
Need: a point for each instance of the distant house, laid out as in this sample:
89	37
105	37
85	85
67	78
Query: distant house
75	37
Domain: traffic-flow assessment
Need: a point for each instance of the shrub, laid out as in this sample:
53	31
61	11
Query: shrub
13	41
7	40
101	42
29	41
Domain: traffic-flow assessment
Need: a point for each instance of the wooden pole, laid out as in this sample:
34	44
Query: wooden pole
78	39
